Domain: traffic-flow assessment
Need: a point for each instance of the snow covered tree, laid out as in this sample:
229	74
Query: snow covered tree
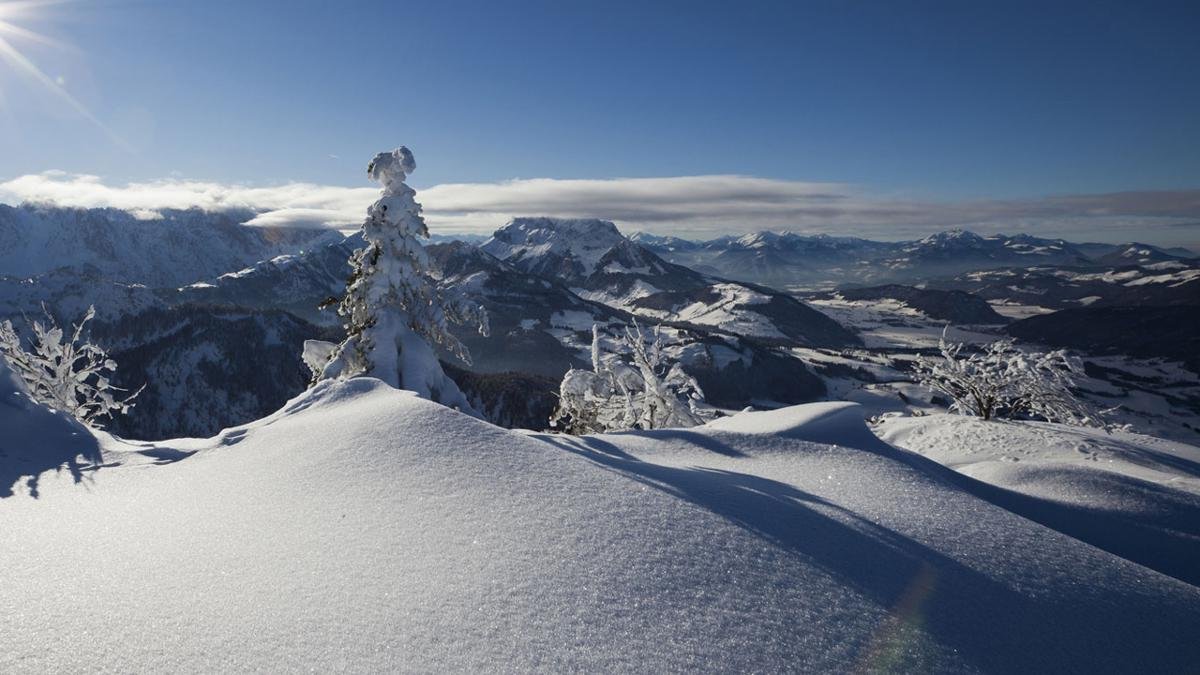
65	371
1002	381
634	387
393	311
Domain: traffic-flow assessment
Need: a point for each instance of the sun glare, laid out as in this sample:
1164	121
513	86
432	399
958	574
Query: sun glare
12	35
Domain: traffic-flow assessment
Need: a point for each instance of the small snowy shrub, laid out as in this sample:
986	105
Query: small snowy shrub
393	311
1002	381
64	371
632	388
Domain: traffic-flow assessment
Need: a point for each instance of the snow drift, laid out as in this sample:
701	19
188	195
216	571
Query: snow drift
35	439
1134	495
362	528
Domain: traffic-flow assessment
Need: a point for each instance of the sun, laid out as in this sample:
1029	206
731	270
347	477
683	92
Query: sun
12	35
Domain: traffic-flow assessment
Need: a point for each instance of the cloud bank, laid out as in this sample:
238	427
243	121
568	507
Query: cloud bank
697	206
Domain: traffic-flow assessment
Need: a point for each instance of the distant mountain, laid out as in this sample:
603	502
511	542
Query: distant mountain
198	347
809	262
957	249
296	283
540	326
1134	253
598	263
177	248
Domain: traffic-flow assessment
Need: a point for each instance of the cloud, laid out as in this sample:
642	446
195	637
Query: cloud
322	205
684	205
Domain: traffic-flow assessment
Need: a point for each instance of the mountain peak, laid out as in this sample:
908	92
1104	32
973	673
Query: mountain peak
574	246
539	230
954	237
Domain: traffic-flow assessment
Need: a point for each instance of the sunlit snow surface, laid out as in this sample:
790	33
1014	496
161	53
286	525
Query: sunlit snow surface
364	529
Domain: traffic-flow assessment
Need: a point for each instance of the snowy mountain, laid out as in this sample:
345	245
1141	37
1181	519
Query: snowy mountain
745	344
361	528
200	348
542	327
809	262
1135	253
598	263
780	258
960	249
68	291
567	249
296	283
175	248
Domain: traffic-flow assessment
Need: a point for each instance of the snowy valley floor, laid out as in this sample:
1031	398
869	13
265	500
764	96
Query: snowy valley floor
361	528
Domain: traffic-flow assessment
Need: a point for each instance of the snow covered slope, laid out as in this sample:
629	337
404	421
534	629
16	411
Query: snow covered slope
808	262
1137	496
35	440
364	529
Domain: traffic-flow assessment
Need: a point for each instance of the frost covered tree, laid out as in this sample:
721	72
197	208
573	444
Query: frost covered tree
392	310
1002	381
65	371
633	387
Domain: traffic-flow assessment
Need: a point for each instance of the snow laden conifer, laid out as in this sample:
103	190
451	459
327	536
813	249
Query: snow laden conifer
631	387
1001	381
393	311
65	371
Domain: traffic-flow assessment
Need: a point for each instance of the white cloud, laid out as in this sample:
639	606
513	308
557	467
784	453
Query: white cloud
685	205
340	204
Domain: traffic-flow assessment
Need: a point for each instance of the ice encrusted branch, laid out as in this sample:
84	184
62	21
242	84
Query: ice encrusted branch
1001	381
631	386
65	371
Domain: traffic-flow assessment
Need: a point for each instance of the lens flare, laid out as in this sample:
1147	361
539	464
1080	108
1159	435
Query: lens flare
12	35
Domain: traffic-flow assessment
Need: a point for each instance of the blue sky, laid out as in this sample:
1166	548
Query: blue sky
926	102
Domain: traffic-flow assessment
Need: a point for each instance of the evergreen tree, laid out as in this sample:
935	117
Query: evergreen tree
393	311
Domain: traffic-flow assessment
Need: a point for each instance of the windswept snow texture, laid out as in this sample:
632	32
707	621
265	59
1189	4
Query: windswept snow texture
362	528
1137	496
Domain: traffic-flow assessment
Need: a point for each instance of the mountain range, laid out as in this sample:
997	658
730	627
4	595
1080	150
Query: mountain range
193	302
809	262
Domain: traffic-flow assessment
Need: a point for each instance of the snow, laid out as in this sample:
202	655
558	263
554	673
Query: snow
1016	311
723	356
363	528
1174	279
572	319
585	240
987	449
891	324
732	312
180	247
393	312
37	440
1136	495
